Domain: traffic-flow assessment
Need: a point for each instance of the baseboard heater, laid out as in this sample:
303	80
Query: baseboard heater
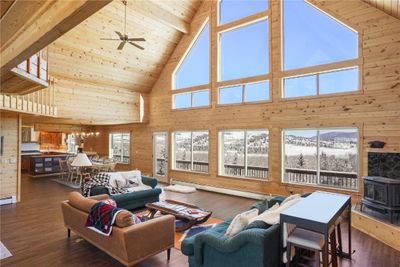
8	200
225	190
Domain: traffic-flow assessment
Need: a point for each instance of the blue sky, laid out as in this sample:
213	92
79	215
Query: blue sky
310	38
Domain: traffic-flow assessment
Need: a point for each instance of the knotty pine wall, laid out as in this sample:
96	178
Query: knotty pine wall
10	174
375	110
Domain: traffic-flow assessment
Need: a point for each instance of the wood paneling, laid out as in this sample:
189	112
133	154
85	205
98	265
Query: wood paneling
384	232
391	7
98	84
29	26
375	110
81	56
10	171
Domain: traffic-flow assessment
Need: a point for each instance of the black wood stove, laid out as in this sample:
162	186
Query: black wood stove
382	185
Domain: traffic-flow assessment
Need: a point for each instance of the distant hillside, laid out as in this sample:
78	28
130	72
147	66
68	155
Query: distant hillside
333	135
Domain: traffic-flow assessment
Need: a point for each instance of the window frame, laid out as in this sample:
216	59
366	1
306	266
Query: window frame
187	52
263	16
318	185
244	101
220	159
317	74
173	106
110	148
321	68
173	149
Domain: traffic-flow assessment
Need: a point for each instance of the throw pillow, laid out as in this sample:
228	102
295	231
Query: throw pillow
109	201
116	179
290	198
132	177
240	222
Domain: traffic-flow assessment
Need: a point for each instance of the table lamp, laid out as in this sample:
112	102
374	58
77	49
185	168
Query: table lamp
81	160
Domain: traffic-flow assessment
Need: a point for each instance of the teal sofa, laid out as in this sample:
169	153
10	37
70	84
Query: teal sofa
255	247
134	200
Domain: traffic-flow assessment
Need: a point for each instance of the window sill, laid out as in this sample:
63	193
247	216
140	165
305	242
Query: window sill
320	186
358	92
193	172
245	103
191	108
264	180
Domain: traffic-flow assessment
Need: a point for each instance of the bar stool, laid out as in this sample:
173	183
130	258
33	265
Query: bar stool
305	239
312	241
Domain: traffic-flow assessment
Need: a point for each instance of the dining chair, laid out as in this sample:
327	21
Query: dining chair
63	169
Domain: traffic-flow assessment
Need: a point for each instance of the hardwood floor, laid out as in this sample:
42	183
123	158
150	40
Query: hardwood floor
33	231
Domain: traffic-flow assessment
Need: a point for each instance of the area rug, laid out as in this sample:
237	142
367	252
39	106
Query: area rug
4	252
180	188
180	236
66	183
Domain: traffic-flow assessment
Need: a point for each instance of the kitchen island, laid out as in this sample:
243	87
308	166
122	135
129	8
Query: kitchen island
46	164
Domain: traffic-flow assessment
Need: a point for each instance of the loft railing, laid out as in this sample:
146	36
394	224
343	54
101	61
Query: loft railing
198	166
39	103
344	180
36	65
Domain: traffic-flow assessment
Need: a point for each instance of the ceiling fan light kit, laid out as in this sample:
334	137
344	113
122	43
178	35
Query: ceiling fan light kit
123	38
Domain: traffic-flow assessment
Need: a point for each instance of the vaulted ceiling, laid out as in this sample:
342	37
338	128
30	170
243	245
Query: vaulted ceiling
391	7
80	55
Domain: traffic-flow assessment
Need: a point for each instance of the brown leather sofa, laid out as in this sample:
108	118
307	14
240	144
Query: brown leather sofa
127	244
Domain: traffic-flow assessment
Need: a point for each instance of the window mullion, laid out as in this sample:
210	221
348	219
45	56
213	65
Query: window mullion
243	93
191	154
245	153
318	160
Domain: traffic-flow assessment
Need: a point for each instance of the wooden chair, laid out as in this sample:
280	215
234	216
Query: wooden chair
63	169
72	171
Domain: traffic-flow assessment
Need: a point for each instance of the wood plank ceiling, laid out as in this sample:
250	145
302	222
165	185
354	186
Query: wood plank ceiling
80	56
391	7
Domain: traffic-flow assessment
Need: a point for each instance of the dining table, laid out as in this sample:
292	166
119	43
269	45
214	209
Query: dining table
319	212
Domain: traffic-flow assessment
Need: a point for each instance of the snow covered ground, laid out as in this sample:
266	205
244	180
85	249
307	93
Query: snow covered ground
293	150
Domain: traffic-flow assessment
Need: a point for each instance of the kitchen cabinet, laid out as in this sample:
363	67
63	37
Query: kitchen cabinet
51	138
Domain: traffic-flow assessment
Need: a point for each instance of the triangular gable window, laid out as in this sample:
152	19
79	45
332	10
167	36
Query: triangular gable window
311	37
194	68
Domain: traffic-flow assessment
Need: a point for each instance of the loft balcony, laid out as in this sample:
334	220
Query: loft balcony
29	76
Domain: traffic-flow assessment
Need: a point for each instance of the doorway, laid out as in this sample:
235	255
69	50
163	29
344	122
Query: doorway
160	156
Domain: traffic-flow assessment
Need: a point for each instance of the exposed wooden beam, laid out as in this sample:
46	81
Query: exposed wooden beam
5	6
58	18
154	11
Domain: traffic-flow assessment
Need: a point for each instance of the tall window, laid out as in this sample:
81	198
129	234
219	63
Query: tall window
119	149
194	69
243	153
190	151
307	44
326	157
244	51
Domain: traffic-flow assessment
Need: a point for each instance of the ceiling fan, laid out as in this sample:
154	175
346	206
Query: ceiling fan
123	38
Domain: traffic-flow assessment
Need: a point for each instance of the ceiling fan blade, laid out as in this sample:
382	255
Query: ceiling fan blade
137	39
138	46
121	36
110	39
121	45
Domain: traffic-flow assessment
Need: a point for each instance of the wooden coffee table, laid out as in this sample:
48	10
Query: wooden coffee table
189	214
